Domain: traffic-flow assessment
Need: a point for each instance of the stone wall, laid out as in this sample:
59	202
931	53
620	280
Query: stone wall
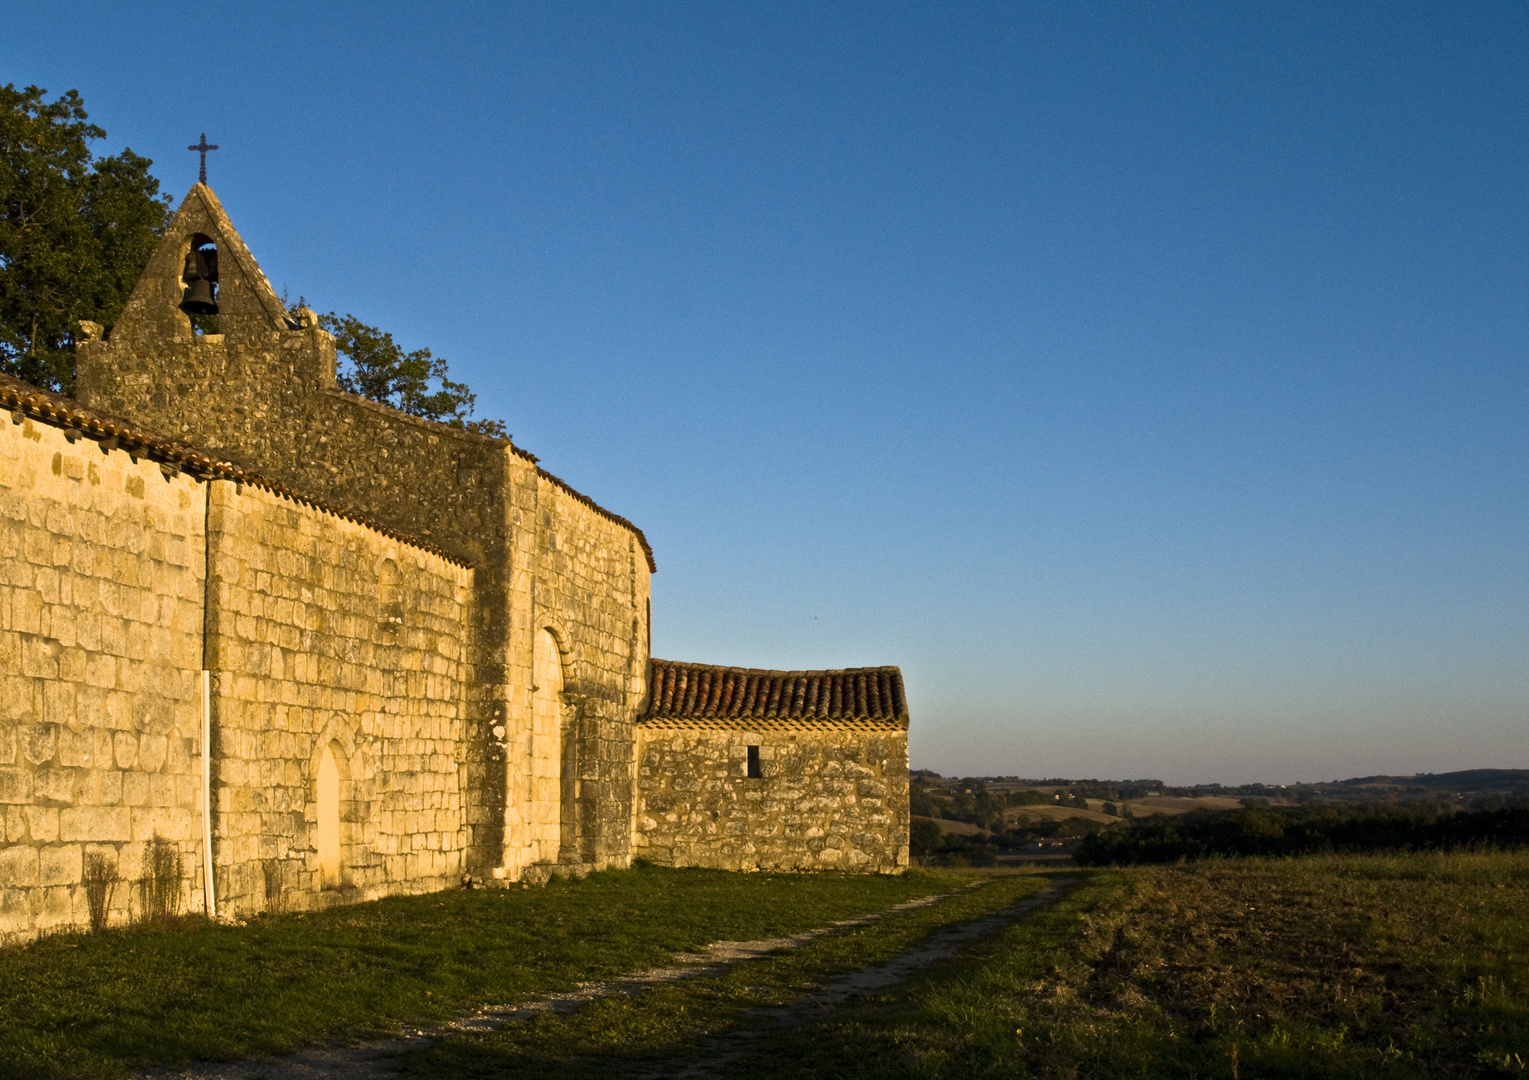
377	721
829	797
101	588
587	585
121	580
325	633
263	392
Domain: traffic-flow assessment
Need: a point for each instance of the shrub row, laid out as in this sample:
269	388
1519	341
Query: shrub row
1303	830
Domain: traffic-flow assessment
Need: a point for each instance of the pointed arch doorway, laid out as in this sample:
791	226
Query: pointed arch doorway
549	752
327	836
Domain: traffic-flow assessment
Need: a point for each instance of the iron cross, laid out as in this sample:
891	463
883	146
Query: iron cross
203	146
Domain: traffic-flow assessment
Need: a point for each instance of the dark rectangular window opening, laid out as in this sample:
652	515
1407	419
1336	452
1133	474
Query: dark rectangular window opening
754	773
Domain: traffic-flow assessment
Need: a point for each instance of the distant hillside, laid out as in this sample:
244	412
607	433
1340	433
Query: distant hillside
1468	785
1058	806
1465	780
970	816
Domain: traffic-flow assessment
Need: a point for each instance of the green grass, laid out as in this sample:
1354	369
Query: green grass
1355	966
1394	966
99	1005
653	1032
1360	966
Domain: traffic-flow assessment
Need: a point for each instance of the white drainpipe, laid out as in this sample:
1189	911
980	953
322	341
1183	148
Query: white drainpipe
212	900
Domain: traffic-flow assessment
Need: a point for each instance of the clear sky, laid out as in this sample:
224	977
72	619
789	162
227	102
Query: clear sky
1148	381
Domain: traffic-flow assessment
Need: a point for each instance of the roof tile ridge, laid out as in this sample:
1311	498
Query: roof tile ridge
782	672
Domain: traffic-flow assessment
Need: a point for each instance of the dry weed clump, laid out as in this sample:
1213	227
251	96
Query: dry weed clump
275	886
159	890
100	880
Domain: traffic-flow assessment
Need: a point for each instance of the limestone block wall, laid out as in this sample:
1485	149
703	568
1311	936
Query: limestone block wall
584	581
101	586
325	635
829	797
263	392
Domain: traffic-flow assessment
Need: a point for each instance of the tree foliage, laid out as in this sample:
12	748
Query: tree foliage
75	231
413	382
924	837
1257	830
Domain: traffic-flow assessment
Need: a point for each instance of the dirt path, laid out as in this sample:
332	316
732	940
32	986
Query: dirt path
940	945
376	1059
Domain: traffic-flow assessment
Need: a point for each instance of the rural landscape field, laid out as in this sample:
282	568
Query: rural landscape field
687	540
988	820
1115	960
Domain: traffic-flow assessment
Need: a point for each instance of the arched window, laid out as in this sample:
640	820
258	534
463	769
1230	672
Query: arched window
390	595
327	832
199	276
544	811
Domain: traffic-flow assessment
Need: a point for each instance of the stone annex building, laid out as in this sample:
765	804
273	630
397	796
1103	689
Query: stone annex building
331	651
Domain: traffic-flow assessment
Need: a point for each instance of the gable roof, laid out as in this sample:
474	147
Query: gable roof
232	245
248	306
23	399
710	696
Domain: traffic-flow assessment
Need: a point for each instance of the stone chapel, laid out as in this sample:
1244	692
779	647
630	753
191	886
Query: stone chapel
330	651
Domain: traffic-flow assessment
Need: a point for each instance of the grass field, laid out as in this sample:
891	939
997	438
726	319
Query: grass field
1333	966
100	1004
1364	966
658	1031
1375	966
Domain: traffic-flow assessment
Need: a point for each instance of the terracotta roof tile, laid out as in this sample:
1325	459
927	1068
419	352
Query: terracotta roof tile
679	691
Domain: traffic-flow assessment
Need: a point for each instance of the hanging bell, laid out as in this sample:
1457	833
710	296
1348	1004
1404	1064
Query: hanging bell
200	274
198	300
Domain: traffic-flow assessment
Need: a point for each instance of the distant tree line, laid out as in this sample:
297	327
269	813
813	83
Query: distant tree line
1116	790
1474	789
972	801
1303	830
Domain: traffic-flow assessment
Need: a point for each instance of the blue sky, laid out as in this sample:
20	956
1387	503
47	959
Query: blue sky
1148	381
